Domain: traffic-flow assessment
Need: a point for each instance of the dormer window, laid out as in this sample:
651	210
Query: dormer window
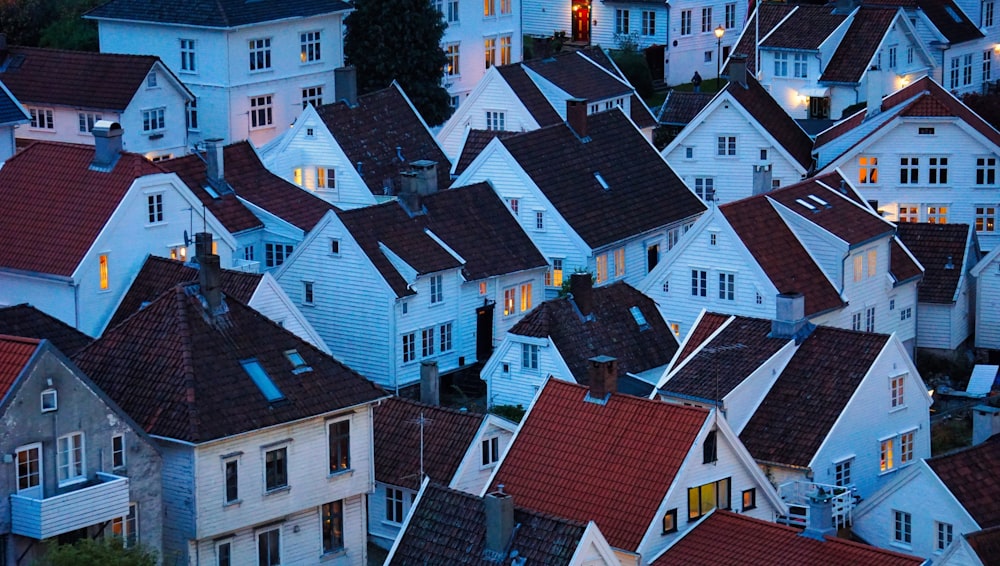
49	401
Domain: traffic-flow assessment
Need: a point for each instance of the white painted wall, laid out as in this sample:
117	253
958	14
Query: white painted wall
988	305
470	33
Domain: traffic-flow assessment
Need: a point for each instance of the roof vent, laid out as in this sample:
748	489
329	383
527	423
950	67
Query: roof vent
107	145
949	265
806	204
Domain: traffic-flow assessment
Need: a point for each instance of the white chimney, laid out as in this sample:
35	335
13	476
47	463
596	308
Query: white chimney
107	145
820	522
874	92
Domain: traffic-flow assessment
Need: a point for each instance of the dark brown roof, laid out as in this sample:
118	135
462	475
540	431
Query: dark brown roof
48	227
986	545
15	353
936	246
402	450
729	539
708	324
638	110
810	394
773	118
946	16
159	275
644	192
381	127
901	265
807	27
843	217
971	476
529	95
81	79
580	75
855	51
612	332
178	373
770	15
475	142
679	107
216	14
29	322
449	527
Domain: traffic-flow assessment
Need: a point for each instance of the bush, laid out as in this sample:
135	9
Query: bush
512	413
107	551
636	71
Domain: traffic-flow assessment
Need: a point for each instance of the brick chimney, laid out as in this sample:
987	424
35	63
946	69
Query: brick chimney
820	522
602	372
430	383
738	69
499	522
215	164
576	116
790	318
209	273
581	288
107	145
421	180
762	178
345	84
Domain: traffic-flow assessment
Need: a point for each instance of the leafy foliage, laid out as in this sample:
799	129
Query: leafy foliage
108	551
986	105
49	23
634	67
513	413
400	40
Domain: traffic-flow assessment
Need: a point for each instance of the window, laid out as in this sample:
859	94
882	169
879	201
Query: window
451	52
703	499
758	298
704	187
29	470
309	46
153	120
505	45
708	56
70	458
151	80
885	455
276	468
688	153
489	8
987	65
730	16
800	65
248	253
648	23
525	297
191	114
699	283
685	22
905	314
529	356
232	480
953	72
496	120
892	57
937	171
312	95
870	319
986	170
967	69
260	111
781	64
944	530
117	451
602	268
307	292
49	400
619	256
652	256
427	342
706	20
906	447
937	214
332	518
902	531
87	120
710	449
41	118
909	213
269	547
514	205
867	170
726	145
539	220
727	286
224	554
749	499
670	522
188	62
276	254
154	207
326	178
986	218
260	54
856	321
872	262
102	261
132	525
509	299
393	505
490	51
409	346
506	7
842	473
909	55
621	21
909	172
437	289
554	277
896	385
490	451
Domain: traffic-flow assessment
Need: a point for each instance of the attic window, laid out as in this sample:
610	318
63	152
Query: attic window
151	79
262	380
639	318
49	400
925	131
600	179
806	204
819	201
298	364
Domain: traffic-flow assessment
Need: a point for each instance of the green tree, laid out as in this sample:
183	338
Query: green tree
69	30
400	40
107	551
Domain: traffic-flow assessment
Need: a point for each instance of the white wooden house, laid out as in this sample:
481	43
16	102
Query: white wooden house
593	195
933	503
807	238
12	115
643	470
870	422
987	310
391	285
417	442
251	70
73	244
741	144
920	156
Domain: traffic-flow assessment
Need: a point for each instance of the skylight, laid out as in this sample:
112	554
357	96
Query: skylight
298	364
262	380
601	180
211	192
639	318
806	204
819	201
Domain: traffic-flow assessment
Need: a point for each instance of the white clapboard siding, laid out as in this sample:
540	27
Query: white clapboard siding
492	94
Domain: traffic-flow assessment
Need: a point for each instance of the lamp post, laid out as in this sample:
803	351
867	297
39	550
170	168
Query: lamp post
719	32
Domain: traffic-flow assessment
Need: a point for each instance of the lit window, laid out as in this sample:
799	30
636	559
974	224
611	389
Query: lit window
297	176
154	208
309	49
188	62
153	120
260	54
490	448
749	499
885	455
276	468
868	170
529	356
482	288
525	297
670	522
903	528
937	214
509	298
70	458
505	42
118	451
339	437
260	111
103	267
703	499
332	520
909	213
489	8
451	52
602	268
986	218
619	257
490	50
127	527
393	505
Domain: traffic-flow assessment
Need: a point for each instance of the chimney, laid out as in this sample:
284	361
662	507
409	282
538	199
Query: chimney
603	375
581	287
820	522
790	318
421	180
738	69
209	272
107	145
985	423
499	521
874	92
430	385
345	84
215	164
761	178
576	116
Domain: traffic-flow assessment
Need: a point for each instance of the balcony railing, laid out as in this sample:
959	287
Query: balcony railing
246	265
796	495
95	502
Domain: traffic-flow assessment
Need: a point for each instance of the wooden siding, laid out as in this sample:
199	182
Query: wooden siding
495	286
492	94
988	307
178	500
472	476
45	518
422	314
271	301
543	17
689	53
381	530
519	386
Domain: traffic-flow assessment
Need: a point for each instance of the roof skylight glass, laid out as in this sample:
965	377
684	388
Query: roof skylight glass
262	380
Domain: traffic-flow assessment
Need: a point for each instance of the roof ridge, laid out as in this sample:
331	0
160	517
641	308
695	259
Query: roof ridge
19	339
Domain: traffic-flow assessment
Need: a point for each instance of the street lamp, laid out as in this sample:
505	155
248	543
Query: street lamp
719	32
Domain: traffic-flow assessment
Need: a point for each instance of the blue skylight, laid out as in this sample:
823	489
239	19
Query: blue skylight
262	380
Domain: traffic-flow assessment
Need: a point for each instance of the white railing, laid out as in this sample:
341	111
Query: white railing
246	265
796	495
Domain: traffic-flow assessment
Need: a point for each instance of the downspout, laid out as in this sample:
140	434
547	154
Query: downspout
76	303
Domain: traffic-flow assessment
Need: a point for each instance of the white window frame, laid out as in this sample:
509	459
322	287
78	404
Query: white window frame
496	120
436	289
261	111
257	540
189	61
529	357
259	49
489	451
71	464
86	121
686	18
49	400
902	531
277	487
395	505
38	473
118	453
310	46
154	120
312	95
648	28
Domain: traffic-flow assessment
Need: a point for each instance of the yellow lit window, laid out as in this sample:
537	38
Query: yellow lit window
297	176
489	8
872	262
104	271
867	170
858	267
602	268
509	296
215	247
482	287
525	297
885	459
619	262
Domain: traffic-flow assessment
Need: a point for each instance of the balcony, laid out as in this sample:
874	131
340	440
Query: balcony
94	502
796	495
246	265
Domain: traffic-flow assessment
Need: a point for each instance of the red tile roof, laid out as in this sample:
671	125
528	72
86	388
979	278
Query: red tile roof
807	27
971	476
901	265
15	352
858	46
843	217
644	192
773	118
935	246
55	206
708	324
28	322
729	539
400	451
986	545
177	372
611	463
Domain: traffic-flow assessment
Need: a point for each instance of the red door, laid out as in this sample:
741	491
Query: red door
581	22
